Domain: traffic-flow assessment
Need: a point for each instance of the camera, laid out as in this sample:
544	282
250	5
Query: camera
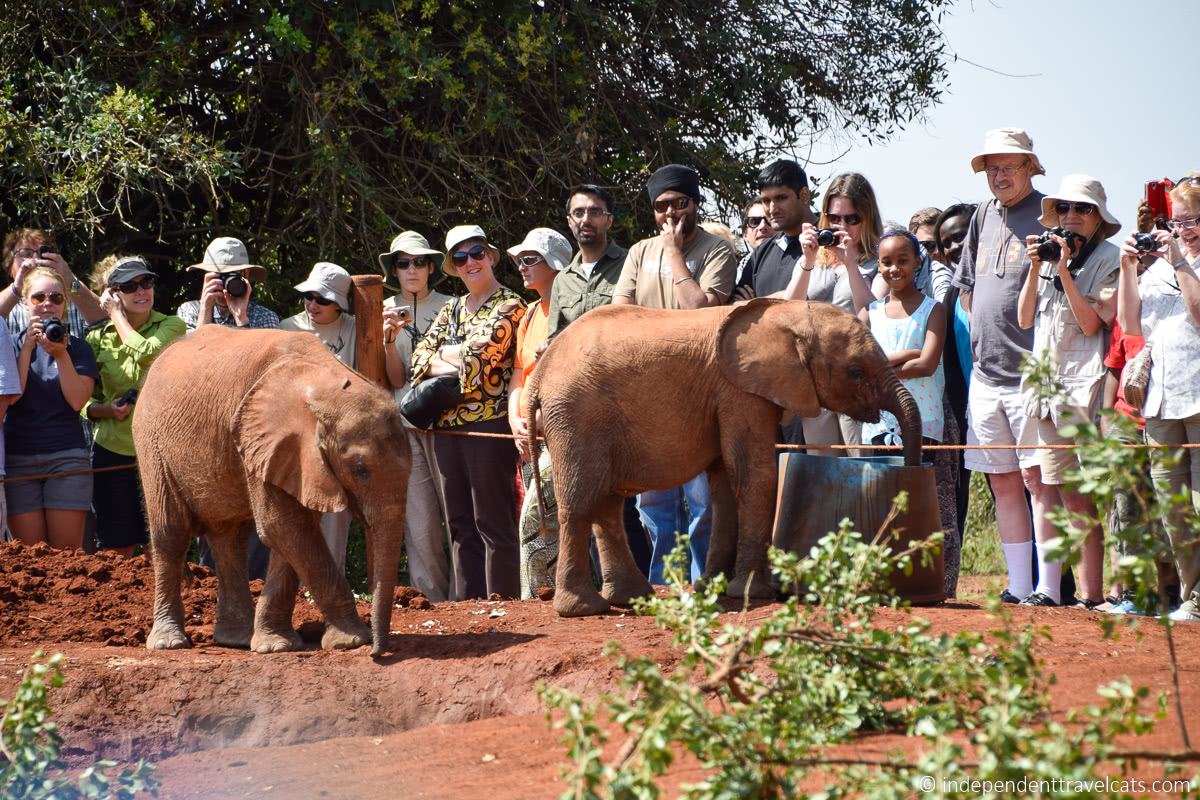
1158	198
826	237
54	330
45	250
1049	250
1145	243
127	398
234	283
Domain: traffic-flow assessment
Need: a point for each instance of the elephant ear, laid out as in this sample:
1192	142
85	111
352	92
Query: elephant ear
760	350
276	431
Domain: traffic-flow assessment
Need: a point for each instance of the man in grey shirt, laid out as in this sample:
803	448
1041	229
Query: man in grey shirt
990	273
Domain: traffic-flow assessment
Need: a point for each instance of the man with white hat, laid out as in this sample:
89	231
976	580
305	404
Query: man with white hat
228	286
990	274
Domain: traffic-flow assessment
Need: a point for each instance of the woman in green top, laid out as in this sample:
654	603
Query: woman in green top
125	346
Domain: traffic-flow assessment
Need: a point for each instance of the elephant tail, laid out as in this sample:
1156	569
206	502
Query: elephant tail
533	404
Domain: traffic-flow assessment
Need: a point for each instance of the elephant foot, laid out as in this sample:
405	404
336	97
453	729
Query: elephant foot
167	636
276	641
578	604
760	587
336	638
233	634
623	590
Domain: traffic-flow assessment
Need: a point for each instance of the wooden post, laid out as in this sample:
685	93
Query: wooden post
368	328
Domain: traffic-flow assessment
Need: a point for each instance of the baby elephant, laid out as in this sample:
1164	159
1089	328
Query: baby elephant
237	429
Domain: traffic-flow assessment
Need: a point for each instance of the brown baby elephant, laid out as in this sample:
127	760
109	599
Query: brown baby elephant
634	399
264	427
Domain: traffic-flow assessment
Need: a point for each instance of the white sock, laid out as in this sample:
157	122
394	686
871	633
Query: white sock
1019	558
1049	576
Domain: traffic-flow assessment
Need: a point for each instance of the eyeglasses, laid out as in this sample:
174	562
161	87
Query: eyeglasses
1183	224
30	252
56	298
848	219
145	282
679	204
929	245
1005	171
1082	209
591	213
530	260
476	253
419	262
313	297
754	222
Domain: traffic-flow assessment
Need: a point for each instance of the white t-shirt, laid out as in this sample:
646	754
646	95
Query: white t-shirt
586	268
338	335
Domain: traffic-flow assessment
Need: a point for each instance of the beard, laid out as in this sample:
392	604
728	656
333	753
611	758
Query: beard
689	222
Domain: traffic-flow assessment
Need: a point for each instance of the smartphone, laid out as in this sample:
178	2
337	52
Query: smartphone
1158	199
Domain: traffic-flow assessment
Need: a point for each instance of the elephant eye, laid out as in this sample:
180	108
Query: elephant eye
855	373
359	470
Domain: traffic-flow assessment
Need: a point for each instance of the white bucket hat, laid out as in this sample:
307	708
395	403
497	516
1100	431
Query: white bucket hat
1003	142
329	281
226	254
548	243
1080	189
456	236
409	242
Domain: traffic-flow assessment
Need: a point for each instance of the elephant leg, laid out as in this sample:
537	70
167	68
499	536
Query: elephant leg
623	581
273	631
170	523
751	471
235	608
722	547
574	594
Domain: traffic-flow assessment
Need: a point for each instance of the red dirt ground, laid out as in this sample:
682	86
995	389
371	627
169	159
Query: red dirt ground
450	713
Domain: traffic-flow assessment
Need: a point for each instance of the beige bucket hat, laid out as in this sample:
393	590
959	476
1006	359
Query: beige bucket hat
409	242
1080	189
549	243
456	236
226	254
1007	141
329	281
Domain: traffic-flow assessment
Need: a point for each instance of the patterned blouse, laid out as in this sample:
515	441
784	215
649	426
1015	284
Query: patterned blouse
490	337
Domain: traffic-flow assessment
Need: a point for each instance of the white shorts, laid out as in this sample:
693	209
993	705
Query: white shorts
996	416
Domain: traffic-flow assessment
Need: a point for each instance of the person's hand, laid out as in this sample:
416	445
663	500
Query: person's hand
109	411
111	303
395	318
846	249
1145	218
31	338
120	411
211	291
672	233
54	349
56	262
24	266
239	307
744	293
1130	256
1064	255
1168	247
520	429
808	242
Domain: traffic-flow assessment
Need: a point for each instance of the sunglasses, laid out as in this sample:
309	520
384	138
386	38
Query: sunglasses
754	222
929	245
848	219
313	297
476	253
56	298
145	282
679	204
530	260
1082	209
420	262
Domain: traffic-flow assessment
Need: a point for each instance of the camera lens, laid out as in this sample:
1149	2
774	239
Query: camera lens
1048	249
1145	242
234	283
54	330
826	237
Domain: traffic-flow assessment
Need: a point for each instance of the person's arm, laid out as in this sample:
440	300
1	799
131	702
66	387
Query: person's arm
516	415
76	388
688	292
144	348
847	253
395	320
1027	300
930	357
1088	319
426	351
210	290
8	296
25	354
797	288
899	358
84	298
1129	300
625	290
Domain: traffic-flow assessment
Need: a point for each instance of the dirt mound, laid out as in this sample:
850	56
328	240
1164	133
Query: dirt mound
69	596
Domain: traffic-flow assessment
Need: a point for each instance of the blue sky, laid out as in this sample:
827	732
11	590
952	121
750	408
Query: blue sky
1095	93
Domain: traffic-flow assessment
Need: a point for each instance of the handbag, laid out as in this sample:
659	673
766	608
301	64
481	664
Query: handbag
424	403
1136	377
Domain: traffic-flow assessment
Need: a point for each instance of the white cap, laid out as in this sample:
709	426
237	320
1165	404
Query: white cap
549	243
329	281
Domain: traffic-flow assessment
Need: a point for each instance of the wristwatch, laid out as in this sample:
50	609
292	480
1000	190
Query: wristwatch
75	285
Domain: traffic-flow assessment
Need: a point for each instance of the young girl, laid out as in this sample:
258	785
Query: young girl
909	326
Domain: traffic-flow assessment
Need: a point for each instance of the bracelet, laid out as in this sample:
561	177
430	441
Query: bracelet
808	269
681	280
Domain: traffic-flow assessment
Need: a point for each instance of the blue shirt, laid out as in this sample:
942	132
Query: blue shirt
962	340
10	381
42	421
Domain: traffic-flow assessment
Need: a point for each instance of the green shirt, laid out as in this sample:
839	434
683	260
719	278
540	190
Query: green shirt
123	367
575	291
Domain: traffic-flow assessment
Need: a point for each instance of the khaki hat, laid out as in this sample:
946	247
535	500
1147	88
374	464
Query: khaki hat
1080	189
549	243
1003	142
329	281
227	254
409	242
456	236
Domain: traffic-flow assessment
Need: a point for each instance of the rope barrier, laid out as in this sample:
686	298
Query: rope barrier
890	448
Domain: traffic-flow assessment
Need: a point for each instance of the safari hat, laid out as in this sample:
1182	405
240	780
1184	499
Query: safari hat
1080	189
456	236
1003	142
548	243
329	281
227	254
409	242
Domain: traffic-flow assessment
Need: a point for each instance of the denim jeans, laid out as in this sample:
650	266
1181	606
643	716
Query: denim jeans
664	514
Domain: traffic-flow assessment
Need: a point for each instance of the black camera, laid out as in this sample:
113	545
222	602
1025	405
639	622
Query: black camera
1145	243
54	330
127	398
1049	250
45	250
234	283
826	237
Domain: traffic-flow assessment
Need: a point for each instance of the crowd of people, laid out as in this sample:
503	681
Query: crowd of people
957	298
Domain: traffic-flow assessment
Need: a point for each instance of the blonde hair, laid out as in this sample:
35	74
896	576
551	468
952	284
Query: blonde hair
1187	193
103	269
857	189
48	272
720	229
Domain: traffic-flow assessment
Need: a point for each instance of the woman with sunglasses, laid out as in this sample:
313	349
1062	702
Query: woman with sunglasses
1164	307
43	433
474	337
124	347
1070	301
411	262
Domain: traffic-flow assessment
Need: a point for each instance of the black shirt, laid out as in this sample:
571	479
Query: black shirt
771	266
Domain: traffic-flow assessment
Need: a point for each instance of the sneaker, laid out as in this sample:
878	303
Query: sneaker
1008	597
1127	607
1088	605
1188	611
1039	599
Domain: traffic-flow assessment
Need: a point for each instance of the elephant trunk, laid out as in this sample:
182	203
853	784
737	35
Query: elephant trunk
384	550
900	402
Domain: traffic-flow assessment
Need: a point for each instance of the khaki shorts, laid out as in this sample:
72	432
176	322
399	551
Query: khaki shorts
1055	463
996	416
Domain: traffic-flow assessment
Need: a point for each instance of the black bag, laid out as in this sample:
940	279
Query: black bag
424	404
